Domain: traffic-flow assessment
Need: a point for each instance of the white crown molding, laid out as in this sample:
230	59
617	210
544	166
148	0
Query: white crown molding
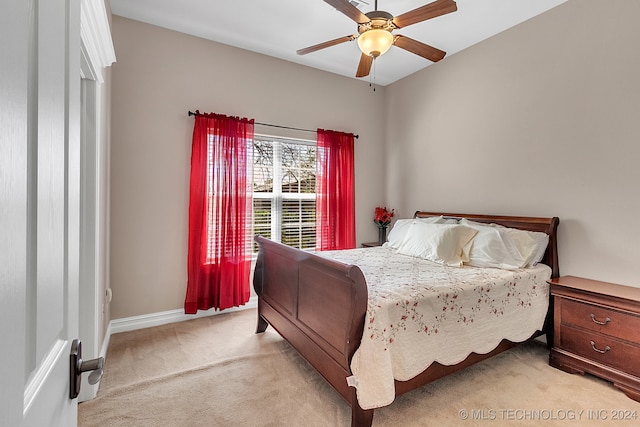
96	45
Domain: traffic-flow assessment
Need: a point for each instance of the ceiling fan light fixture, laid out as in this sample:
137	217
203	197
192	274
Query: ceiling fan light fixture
375	42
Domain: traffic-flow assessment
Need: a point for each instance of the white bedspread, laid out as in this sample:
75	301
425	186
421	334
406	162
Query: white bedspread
420	312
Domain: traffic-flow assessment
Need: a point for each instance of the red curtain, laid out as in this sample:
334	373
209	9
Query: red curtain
335	193
220	210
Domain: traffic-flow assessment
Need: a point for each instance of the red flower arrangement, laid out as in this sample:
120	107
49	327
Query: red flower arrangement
383	216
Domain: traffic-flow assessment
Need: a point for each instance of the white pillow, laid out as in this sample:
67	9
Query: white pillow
500	247
446	244
448	221
542	241
400	227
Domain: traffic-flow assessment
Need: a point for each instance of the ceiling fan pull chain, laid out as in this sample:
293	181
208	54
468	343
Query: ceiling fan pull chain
373	76
374	72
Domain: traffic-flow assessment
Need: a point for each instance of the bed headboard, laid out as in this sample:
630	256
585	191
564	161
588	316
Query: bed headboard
545	225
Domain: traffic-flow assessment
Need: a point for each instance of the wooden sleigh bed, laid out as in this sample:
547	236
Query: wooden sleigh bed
319	305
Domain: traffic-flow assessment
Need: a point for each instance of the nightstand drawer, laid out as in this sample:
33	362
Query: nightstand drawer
601	348
600	319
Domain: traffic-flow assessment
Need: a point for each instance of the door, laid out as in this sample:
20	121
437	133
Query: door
39	209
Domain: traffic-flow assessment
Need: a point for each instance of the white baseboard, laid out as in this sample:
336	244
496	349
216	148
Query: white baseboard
162	318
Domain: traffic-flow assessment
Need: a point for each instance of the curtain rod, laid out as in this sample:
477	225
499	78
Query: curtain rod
191	113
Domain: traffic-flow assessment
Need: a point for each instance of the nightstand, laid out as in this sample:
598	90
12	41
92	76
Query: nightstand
371	244
597	330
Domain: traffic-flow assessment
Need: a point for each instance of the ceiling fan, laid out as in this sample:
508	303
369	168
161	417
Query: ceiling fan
375	31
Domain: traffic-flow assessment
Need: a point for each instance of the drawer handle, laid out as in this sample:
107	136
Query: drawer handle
593	317
593	346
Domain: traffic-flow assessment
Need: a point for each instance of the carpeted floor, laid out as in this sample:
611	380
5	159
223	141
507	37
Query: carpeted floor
215	371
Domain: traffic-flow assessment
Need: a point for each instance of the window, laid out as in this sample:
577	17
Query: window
284	190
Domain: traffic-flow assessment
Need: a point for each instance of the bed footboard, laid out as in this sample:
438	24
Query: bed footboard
318	306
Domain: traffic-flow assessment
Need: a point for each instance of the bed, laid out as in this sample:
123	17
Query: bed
322	306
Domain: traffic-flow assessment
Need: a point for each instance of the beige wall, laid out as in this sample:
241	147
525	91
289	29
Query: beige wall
539	120
160	75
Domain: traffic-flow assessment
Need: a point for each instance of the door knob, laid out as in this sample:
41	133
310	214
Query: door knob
77	366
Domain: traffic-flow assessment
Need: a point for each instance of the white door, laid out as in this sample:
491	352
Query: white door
39	209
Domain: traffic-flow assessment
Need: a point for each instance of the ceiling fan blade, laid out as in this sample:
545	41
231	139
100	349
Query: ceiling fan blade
364	67
419	48
428	11
326	44
350	10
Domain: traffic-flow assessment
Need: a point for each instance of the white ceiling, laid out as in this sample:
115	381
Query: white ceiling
280	27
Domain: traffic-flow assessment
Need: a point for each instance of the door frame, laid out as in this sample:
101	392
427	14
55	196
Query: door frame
96	54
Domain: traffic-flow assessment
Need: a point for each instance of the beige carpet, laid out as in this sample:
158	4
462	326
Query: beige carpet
215	371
